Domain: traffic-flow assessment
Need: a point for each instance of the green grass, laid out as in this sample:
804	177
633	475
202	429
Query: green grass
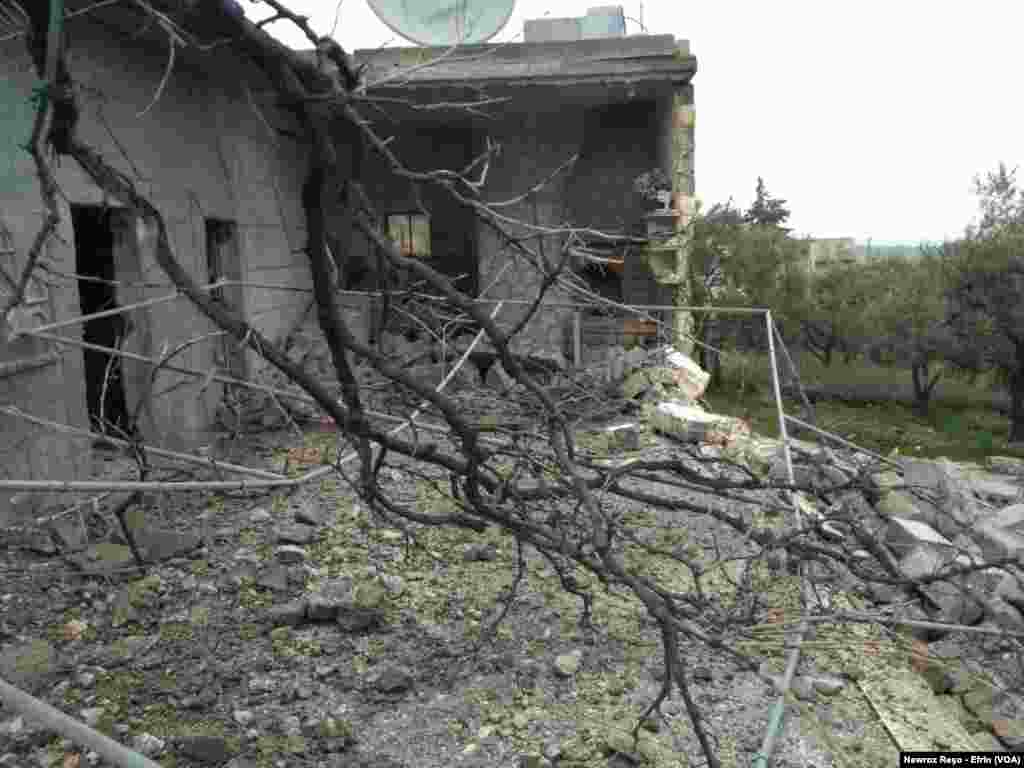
962	424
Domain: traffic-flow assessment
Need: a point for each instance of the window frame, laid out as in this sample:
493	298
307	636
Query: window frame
407	240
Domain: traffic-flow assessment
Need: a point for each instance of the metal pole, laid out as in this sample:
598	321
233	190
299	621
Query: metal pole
577	338
66	726
778	401
792	369
841	441
764	755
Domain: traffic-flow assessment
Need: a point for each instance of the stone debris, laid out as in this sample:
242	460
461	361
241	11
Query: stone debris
692	424
691	379
623	437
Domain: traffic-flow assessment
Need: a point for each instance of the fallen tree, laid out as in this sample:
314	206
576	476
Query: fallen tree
534	483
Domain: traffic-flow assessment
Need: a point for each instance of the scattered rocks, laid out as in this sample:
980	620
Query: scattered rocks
148	744
210	750
392	680
483	552
260	515
289	554
91	716
68	534
274	577
623	437
159	545
567	664
828	685
288	614
310	513
296	534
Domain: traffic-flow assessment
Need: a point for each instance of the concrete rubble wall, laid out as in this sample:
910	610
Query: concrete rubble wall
200	151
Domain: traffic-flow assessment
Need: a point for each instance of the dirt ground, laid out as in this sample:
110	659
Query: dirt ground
194	665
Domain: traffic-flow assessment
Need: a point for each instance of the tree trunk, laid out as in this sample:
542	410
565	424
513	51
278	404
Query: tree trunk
1017	396
922	392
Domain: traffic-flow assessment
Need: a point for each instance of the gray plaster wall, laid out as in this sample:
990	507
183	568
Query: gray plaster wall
202	150
615	145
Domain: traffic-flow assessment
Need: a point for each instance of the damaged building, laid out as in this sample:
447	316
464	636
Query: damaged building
207	142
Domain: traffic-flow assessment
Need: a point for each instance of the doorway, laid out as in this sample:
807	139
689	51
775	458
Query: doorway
94	262
223	263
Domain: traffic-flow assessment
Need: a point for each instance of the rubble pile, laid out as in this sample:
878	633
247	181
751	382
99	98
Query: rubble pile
953	532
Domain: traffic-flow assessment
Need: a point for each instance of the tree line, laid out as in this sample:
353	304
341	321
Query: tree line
952	306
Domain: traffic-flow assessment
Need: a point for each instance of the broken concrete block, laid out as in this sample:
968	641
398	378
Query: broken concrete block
943	487
1011	518
690	424
998	543
903	535
690	377
925	560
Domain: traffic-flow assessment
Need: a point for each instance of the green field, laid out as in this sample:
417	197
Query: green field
963	423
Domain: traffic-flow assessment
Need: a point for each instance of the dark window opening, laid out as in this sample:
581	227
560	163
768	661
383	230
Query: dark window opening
94	262
411	232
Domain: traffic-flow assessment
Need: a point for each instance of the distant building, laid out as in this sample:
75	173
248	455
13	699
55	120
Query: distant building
827	251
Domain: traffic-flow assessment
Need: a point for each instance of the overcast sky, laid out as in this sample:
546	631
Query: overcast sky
870	118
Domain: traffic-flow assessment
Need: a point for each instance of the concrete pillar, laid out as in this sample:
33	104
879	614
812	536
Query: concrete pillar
676	153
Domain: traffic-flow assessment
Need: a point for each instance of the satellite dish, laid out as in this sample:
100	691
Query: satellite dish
444	22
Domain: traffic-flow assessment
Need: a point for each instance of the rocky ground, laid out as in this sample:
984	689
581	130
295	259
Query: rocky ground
297	630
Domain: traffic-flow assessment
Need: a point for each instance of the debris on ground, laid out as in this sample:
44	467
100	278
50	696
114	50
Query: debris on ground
302	629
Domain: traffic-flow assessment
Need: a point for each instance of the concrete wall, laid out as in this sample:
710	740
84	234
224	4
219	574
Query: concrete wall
200	151
615	145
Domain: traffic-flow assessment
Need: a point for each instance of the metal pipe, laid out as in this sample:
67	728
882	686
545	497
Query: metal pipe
66	726
763	756
841	441
546	304
778	403
792	369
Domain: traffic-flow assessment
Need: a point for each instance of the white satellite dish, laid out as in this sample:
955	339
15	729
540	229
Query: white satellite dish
444	22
